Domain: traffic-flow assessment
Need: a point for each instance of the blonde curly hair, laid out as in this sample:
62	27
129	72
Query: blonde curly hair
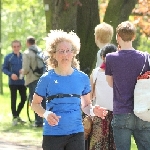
57	36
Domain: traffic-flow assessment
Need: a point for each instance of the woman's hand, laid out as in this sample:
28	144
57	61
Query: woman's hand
53	119
100	111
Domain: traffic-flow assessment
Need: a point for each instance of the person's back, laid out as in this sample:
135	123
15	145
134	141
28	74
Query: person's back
104	93
122	70
29	64
126	66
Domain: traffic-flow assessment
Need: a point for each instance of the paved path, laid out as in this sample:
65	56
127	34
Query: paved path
12	146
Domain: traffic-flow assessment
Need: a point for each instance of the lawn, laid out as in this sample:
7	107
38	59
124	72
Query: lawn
21	134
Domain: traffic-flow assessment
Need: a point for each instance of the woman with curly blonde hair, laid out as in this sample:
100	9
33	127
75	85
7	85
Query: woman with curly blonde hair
65	88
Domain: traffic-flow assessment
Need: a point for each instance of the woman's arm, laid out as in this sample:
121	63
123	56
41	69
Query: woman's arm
51	117
36	105
88	109
92	95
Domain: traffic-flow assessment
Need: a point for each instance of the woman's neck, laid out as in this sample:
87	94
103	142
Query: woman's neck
64	71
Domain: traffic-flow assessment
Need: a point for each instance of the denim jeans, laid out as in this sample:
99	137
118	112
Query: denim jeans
125	125
32	86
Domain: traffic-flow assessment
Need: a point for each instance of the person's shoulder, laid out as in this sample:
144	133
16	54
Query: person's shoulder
99	51
113	54
26	51
80	73
47	75
9	55
141	52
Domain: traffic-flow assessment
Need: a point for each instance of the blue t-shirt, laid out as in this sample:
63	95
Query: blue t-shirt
125	66
69	108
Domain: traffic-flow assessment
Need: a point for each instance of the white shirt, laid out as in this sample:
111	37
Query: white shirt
103	92
99	59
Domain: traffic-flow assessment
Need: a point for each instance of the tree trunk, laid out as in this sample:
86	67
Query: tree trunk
87	19
82	17
117	12
1	81
61	15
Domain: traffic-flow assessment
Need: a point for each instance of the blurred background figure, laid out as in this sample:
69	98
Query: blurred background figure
12	67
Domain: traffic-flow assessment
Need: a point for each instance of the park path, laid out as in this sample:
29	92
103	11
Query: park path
5	145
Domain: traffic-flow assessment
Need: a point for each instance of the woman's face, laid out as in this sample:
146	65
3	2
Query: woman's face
64	53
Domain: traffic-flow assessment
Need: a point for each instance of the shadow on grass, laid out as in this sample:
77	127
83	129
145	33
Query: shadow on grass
7	127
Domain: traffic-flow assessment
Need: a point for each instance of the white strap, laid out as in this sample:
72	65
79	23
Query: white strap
95	71
144	62
148	60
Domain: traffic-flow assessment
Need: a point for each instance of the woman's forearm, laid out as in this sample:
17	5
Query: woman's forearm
37	108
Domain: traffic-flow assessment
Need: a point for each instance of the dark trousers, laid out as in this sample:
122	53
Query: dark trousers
32	86
22	92
65	142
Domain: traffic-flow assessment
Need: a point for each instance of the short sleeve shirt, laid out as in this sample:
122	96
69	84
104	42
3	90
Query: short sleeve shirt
69	108
125	66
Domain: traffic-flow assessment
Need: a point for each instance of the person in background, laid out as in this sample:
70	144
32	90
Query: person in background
31	79
122	69
103	35
12	67
67	90
101	136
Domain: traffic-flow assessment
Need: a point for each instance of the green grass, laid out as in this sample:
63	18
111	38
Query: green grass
22	134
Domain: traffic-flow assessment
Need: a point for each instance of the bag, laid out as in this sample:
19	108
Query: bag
87	123
142	96
41	63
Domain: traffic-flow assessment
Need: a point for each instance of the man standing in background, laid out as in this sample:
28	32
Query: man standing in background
12	67
29	64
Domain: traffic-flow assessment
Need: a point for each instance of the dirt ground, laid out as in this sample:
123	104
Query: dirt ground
8	145
16	143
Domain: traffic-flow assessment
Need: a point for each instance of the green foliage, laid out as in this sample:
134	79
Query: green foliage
144	44
21	19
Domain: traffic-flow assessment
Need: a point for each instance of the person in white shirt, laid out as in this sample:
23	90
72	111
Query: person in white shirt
102	134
